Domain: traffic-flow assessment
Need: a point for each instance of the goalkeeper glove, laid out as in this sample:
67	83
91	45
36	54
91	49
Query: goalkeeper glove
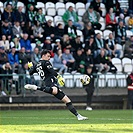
30	64
61	80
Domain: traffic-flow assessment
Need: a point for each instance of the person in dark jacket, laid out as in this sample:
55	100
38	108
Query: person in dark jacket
89	88
130	90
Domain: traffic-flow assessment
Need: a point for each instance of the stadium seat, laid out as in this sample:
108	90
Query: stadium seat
59	5
80	33
120	47
106	33
33	45
111	80
118	64
1	7
69	83
51	11
81	11
127	65
77	82
101	80
50	18
57	20
87	5
61	11
79	5
121	80
103	9
102	22
126	20
41	5
70	4
129	33
99	31
49	5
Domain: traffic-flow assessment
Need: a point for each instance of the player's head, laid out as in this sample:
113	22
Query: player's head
45	55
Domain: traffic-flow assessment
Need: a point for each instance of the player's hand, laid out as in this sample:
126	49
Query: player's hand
61	80
30	64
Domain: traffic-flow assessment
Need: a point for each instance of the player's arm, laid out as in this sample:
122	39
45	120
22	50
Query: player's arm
32	69
61	80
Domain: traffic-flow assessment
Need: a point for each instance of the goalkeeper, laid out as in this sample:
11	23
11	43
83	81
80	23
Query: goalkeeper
50	77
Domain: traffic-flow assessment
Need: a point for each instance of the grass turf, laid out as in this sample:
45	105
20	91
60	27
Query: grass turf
61	121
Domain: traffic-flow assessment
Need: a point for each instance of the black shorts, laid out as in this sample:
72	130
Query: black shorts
51	81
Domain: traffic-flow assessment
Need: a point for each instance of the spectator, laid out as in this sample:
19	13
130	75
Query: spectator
101	62
79	61
35	57
15	43
77	44
89	88
25	42
69	60
128	49
90	44
125	11
130	21
8	14
70	29
5	43
47	43
57	62
130	90
20	16
66	43
57	45
99	45
16	29
111	46
59	31
30	13
38	31
39	45
23	57
6	78
6	29
13	3
40	17
49	30
70	14
14	61
28	79
113	4
96	5
120	33
92	16
121	18
89	61
111	20
3	56
130	2
88	31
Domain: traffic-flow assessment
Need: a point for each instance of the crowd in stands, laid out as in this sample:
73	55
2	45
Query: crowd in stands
24	34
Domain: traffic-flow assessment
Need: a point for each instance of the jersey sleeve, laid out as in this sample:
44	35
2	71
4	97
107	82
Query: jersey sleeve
50	69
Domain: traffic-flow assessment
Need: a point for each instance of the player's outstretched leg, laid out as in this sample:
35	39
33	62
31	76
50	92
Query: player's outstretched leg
60	95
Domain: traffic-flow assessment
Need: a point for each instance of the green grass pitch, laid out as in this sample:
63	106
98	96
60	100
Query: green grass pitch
62	121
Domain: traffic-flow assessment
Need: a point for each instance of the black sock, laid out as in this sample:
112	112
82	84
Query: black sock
71	108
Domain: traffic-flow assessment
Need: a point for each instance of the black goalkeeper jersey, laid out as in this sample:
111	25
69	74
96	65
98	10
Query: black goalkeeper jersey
44	69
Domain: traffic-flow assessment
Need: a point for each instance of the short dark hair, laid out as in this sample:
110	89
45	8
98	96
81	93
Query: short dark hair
45	51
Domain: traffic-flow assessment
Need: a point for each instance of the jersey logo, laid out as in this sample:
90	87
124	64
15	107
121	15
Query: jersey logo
49	66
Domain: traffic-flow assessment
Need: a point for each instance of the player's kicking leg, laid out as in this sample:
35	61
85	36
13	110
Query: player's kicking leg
60	95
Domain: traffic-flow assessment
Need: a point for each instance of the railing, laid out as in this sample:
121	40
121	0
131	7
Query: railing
14	84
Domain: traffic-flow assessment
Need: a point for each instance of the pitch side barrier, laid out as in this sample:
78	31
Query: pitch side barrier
14	83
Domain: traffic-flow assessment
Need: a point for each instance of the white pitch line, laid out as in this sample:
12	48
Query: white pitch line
15	117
